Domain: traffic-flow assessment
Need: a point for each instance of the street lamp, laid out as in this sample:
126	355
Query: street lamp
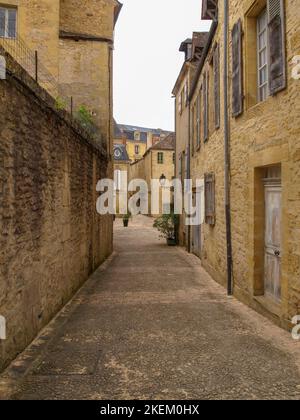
163	180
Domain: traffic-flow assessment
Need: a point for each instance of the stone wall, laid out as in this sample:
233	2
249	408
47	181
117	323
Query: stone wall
92	17
51	237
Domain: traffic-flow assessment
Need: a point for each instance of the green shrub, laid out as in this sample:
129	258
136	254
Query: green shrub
166	225
84	117
60	104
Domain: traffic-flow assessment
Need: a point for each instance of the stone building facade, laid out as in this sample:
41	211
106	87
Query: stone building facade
157	163
263	124
192	49
74	42
137	139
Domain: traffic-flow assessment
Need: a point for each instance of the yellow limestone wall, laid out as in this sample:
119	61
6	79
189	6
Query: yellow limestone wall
267	133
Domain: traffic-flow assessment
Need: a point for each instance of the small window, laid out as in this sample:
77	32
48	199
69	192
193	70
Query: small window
8	22
174	158
137	136
137	150
160	158
262	57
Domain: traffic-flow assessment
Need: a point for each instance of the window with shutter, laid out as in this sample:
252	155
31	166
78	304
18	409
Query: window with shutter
216	64
277	55
237	70
210	212
205	106
8	22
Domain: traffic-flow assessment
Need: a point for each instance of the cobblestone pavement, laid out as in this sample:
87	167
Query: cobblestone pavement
151	324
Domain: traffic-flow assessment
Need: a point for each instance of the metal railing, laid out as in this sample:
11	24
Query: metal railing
30	62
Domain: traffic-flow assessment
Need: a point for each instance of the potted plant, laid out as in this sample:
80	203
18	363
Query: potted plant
166	225
126	218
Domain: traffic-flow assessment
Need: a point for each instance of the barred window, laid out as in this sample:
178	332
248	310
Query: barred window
8	22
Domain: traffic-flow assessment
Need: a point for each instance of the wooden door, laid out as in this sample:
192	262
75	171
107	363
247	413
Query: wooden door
273	208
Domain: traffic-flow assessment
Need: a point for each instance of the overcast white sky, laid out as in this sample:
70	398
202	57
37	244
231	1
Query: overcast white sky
147	61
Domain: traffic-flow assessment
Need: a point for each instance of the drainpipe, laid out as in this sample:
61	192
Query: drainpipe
227	154
189	171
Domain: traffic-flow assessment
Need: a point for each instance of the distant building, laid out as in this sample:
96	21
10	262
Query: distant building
137	139
157	163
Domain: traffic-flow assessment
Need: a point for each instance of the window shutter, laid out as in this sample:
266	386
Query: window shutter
217	86
2	22
186	93
186	163
205	105
277	58
180	103
193	130
237	70
210	213
180	166
198	134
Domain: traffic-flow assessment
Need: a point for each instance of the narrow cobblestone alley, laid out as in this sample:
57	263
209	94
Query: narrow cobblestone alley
151	324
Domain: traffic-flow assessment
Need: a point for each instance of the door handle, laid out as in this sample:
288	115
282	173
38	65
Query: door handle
277	253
